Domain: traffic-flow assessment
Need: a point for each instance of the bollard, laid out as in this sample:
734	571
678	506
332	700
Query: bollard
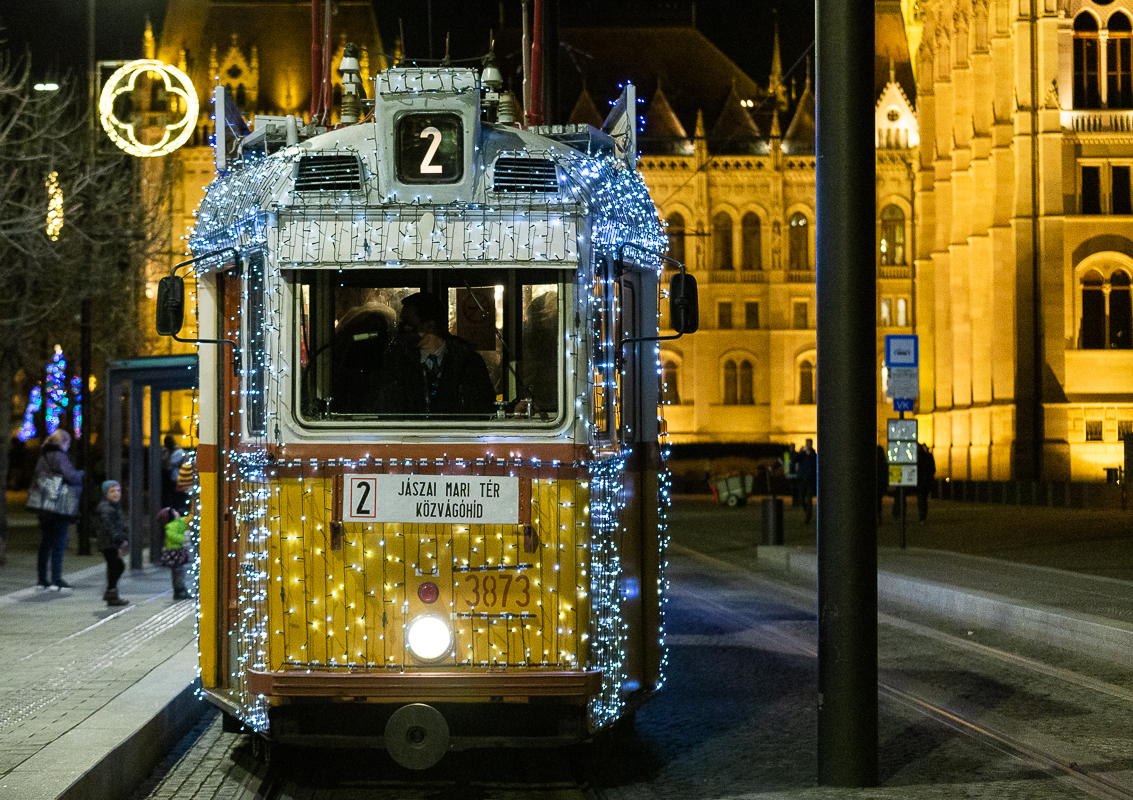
772	520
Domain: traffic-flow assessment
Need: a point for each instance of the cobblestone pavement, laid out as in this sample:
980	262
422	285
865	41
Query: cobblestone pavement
66	655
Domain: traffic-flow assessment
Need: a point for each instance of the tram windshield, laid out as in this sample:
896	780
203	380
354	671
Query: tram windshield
452	345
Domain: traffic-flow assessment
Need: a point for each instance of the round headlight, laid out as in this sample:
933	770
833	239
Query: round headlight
429	637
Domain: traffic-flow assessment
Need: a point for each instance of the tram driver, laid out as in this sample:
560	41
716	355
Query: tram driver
428	370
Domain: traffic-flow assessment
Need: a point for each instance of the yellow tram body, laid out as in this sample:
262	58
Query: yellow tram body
414	580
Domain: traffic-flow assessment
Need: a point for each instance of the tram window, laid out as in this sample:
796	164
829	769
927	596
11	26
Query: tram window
254	362
364	349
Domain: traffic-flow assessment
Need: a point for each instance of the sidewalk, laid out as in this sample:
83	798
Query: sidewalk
91	698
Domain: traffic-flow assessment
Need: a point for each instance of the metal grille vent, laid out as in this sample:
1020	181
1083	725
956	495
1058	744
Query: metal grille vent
525	175
328	173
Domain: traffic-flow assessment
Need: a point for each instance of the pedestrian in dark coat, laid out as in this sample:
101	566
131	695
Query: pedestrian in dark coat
808	478
110	526
926	478
54	528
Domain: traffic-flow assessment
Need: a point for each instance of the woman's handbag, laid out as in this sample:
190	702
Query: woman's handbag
54	495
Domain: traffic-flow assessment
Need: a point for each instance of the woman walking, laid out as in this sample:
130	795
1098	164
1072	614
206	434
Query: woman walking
54	526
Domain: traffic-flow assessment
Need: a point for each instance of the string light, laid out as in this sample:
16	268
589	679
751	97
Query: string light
54	207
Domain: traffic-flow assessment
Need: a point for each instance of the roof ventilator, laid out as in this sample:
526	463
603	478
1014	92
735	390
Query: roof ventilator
525	175
329	173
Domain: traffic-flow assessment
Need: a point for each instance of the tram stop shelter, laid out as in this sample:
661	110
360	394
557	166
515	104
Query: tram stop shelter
130	378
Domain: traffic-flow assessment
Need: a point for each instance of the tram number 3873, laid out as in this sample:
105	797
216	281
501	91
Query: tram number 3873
503	592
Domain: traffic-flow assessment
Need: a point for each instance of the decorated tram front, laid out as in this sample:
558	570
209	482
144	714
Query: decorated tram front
426	577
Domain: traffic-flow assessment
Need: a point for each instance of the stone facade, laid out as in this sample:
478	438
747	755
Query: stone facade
1024	243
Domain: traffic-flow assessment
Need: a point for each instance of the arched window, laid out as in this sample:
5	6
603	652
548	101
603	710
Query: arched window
902	312
676	232
722	240
798	244
670	396
752	242
892	236
747	384
806	383
1120	312
1092	331
1087	92
730	379
1118	76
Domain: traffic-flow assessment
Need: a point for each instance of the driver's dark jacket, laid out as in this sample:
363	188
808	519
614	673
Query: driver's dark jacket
463	385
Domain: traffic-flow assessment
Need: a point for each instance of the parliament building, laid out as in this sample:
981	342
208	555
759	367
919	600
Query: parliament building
1004	211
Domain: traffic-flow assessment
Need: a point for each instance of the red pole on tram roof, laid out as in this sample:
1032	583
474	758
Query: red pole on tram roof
535	113
316	58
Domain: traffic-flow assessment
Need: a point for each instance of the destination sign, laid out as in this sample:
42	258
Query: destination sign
440	499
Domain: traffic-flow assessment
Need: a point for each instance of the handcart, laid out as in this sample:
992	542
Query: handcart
732	490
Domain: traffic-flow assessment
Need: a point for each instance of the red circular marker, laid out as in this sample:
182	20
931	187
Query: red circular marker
428	592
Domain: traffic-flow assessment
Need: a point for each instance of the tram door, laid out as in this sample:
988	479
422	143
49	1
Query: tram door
626	328
638	435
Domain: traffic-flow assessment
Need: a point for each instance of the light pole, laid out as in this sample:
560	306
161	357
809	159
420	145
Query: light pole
84	304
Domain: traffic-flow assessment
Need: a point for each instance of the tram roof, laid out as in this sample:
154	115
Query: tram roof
512	176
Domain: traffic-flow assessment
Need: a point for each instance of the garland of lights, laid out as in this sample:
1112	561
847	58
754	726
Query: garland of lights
35	403
59	398
253	207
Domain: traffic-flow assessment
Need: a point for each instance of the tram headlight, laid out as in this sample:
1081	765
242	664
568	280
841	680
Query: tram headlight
429	637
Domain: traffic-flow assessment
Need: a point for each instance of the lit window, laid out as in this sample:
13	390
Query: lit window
892	244
1087	92
1119	80
886	312
798	244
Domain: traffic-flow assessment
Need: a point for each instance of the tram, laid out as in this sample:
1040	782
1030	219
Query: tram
426	564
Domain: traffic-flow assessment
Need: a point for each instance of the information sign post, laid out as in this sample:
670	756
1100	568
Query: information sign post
903	387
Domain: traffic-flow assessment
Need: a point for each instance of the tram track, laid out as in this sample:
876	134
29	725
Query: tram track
1042	757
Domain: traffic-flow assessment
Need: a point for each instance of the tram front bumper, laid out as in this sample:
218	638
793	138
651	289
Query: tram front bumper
409	686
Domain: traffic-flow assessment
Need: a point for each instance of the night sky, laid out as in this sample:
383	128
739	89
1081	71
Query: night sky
55	31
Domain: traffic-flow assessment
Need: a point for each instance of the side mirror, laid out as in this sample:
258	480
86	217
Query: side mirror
684	313
170	305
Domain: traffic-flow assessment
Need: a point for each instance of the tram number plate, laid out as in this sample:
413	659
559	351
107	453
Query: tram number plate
496	592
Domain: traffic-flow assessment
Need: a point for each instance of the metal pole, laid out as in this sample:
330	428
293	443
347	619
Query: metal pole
84	454
901	500
847	395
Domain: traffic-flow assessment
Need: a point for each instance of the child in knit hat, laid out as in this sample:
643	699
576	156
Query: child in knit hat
111	528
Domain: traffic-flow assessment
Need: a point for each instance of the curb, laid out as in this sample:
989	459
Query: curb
1105	639
154	713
